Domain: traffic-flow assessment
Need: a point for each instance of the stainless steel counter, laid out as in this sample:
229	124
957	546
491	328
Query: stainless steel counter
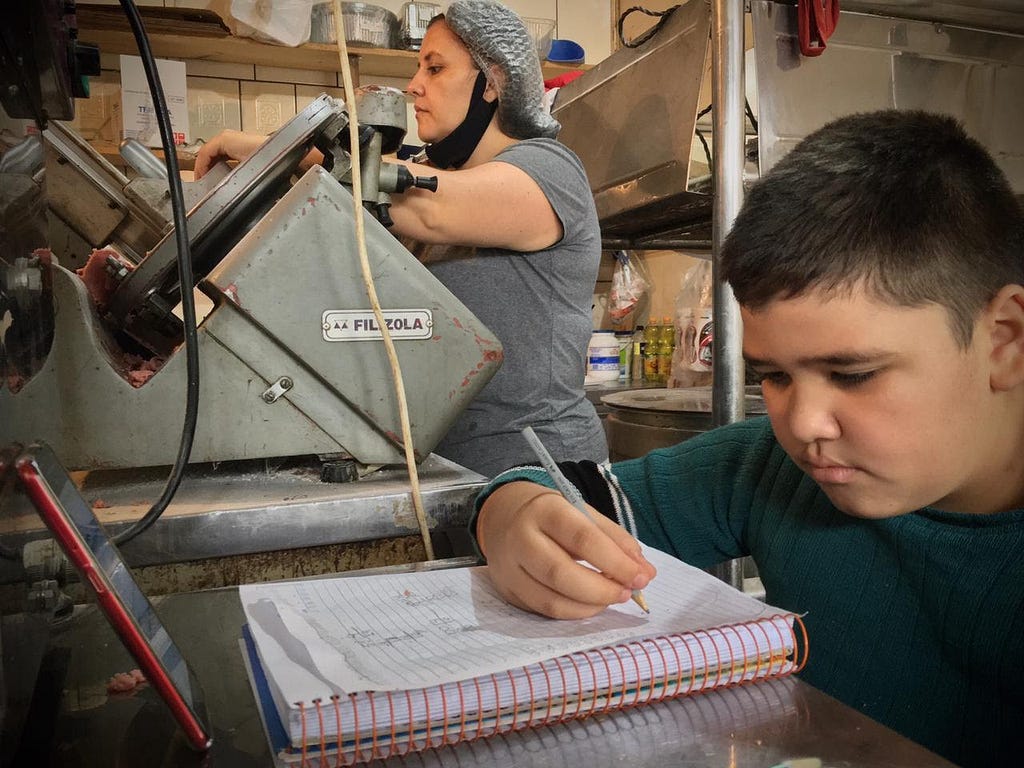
595	392
244	508
754	726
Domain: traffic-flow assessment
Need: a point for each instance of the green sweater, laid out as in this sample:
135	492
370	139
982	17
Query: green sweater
916	621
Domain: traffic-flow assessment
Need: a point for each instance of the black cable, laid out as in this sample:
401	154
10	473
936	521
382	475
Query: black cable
638	41
750	115
7	479
700	135
185	279
707	151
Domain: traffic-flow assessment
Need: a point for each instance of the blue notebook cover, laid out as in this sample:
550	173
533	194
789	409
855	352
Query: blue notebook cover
280	744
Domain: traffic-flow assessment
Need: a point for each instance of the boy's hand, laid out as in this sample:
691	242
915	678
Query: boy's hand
533	538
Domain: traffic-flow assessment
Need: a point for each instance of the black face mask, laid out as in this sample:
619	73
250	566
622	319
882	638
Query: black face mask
455	149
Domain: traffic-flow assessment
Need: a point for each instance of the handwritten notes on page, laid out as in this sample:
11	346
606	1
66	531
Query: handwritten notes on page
400	631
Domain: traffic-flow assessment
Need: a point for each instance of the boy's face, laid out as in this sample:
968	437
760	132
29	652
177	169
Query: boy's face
877	403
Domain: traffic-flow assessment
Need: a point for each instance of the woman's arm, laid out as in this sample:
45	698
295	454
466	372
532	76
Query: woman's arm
226	145
237	145
492	205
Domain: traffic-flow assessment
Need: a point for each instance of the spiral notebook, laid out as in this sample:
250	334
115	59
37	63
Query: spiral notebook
359	668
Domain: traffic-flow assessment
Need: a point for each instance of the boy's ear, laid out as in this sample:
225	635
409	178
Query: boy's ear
1005	323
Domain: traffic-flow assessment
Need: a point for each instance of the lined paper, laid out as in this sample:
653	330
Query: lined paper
390	632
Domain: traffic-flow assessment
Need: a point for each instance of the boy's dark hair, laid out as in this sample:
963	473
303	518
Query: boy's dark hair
904	203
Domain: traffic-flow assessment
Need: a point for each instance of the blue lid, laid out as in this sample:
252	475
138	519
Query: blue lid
566	52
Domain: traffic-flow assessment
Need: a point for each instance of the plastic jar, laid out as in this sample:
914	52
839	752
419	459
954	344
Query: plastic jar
602	357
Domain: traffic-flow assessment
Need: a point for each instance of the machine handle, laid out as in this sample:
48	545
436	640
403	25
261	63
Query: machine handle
406	180
426	182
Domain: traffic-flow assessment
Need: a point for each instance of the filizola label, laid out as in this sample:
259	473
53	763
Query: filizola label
361	325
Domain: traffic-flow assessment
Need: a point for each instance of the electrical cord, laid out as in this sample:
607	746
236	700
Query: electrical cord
371	291
638	41
185	279
7	479
700	134
750	115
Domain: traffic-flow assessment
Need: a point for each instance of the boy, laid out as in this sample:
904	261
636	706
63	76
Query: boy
879	269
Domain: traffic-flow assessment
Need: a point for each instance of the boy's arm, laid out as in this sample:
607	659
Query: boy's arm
693	500
533	539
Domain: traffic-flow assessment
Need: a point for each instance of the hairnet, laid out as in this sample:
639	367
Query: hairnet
497	37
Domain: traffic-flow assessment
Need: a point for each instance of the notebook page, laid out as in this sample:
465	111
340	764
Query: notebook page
411	630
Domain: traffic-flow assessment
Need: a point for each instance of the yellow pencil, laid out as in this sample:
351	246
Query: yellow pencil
569	491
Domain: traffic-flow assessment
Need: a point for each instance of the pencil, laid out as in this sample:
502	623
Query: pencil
569	491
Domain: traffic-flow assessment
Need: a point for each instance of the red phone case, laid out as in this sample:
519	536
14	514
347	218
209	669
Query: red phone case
39	473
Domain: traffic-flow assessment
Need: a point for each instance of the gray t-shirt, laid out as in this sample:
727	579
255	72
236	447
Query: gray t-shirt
538	305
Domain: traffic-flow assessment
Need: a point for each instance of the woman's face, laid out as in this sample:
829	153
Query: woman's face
443	83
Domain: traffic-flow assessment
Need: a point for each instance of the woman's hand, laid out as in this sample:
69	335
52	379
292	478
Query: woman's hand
226	145
532	538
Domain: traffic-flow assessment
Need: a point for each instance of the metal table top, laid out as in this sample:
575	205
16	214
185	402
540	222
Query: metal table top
752	726
256	506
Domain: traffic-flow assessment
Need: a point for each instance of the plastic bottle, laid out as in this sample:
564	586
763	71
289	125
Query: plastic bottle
701	339
639	351
602	358
665	349
653	334
625	341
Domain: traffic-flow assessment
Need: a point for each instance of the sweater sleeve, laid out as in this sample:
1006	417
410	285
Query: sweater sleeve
694	500
587	476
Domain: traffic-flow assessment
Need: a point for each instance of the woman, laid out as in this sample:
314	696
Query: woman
511	231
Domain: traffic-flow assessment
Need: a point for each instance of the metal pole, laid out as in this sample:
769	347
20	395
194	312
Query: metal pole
728	131
728	137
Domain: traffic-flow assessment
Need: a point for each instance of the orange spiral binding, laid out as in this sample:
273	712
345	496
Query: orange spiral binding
337	723
374	740
622	671
461	735
602	680
650	668
323	736
480	711
565	695
664	665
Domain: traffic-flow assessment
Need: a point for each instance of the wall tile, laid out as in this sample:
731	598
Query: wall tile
266	106
213	105
589	23
304	94
289	75
98	118
198	68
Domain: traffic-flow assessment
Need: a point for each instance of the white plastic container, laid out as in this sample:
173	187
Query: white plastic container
602	358
412	23
365	25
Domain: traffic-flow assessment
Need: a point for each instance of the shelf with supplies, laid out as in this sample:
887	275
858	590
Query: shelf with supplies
202	36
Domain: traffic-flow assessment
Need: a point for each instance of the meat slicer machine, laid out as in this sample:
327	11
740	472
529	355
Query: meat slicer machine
291	359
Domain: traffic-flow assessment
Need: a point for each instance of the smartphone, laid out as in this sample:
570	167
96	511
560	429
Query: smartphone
73	524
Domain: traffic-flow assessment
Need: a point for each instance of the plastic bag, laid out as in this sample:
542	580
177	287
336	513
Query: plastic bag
629	286
282	22
692	356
